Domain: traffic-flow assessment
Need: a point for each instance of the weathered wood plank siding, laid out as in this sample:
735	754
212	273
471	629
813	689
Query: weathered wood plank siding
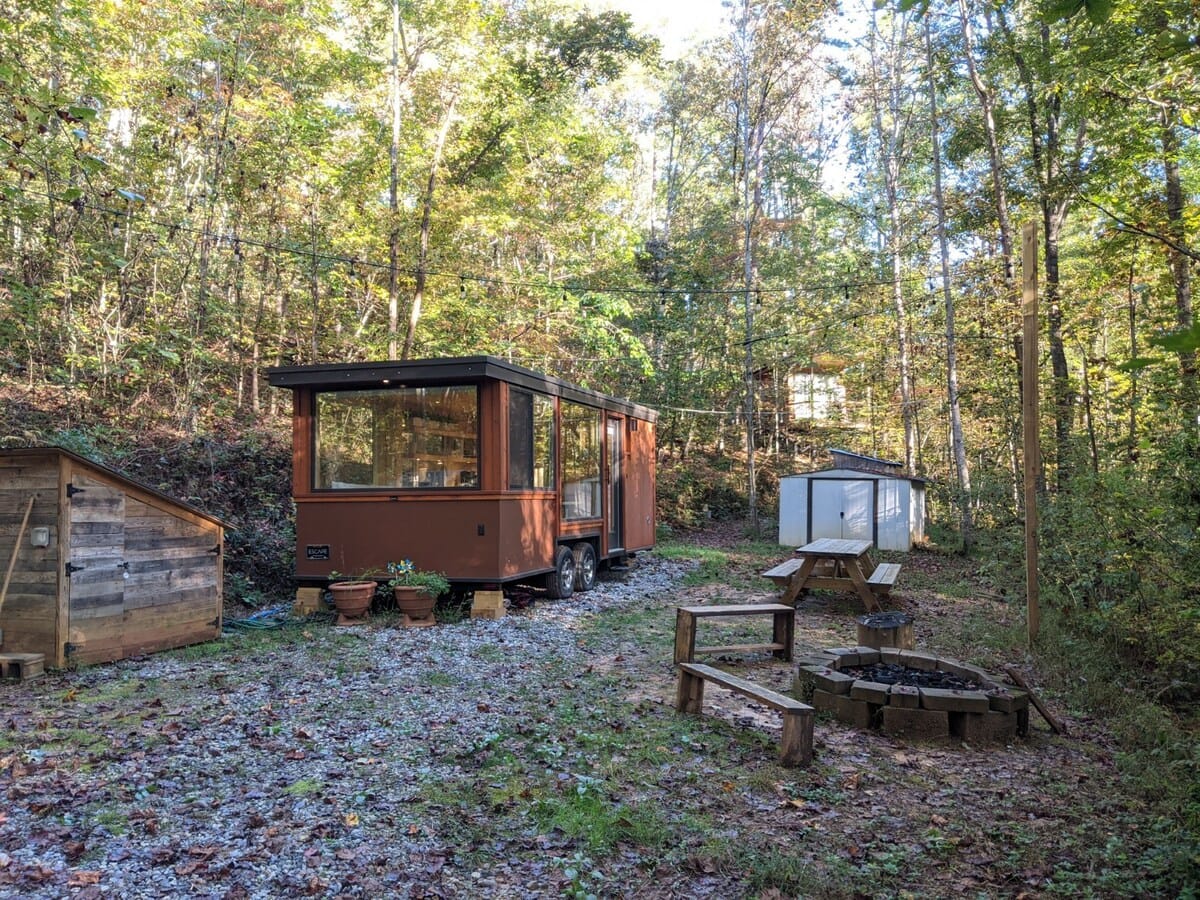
127	570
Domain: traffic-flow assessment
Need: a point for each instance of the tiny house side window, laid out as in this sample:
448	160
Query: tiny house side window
530	441
424	437
581	461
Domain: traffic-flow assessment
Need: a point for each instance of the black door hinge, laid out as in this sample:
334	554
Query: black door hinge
215	622
216	550
71	567
69	648
72	490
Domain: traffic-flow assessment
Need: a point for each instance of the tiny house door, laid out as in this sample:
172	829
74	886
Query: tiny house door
615	511
96	568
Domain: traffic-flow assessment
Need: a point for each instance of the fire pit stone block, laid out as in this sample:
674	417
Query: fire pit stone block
823	701
844	657
1006	700
923	724
926	662
834	682
805	683
870	691
954	701
984	728
856	713
964	670
867	656
889	656
815	659
905	696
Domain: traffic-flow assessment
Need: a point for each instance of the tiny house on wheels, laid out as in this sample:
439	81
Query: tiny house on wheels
487	471
100	567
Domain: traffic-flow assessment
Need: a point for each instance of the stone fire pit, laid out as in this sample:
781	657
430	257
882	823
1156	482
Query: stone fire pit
904	692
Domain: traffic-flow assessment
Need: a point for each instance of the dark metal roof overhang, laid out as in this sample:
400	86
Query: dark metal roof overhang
462	369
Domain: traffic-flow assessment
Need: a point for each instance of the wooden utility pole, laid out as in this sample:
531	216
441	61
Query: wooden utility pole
1029	414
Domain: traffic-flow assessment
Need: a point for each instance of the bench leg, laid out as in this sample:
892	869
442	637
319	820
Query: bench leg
795	747
689	697
784	633
685	636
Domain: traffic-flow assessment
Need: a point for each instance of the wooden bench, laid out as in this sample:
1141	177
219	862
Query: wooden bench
782	637
795	746
782	573
881	580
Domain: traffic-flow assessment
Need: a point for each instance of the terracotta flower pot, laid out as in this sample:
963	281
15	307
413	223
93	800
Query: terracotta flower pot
417	605
352	600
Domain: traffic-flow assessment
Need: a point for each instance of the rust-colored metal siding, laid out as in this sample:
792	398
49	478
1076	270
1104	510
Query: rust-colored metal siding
485	535
640	484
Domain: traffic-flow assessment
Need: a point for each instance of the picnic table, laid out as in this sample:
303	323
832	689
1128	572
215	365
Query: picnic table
836	564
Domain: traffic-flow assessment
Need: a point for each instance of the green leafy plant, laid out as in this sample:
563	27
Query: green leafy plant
405	574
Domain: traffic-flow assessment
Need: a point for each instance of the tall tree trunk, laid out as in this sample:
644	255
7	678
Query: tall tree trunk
890	134
957	444
394	192
751	153
1181	272
1047	161
987	110
414	314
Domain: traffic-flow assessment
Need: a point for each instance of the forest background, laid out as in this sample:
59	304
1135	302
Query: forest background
192	190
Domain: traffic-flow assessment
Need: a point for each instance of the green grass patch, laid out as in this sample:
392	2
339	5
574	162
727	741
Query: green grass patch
305	787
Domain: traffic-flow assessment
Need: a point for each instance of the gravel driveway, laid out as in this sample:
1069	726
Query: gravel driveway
300	763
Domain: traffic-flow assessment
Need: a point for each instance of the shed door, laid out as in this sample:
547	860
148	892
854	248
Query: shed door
842	509
97	569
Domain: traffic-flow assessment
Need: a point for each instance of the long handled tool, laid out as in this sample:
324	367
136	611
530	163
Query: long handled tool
12	560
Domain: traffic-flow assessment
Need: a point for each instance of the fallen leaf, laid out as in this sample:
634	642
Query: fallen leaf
350	820
81	877
939	821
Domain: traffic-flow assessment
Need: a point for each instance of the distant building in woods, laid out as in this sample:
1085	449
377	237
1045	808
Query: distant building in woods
810	393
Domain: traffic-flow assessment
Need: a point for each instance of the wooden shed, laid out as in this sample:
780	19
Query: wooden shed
471	466
859	498
102	567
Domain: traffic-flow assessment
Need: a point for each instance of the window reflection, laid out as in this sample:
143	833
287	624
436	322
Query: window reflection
398	437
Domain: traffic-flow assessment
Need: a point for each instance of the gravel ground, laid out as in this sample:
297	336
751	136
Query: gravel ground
285	768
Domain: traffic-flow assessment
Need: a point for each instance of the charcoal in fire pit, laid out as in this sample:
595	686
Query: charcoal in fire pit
891	673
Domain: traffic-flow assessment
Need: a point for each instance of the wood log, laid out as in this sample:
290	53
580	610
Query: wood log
1019	680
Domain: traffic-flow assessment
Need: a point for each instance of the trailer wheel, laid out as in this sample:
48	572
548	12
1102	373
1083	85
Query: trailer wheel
560	583
585	566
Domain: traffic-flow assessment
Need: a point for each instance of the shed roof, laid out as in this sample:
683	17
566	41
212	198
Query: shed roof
419	372
55	450
844	473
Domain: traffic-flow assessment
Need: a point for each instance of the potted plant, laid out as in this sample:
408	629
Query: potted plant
416	592
352	596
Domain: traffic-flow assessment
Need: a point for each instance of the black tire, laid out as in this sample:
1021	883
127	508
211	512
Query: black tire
560	583
585	566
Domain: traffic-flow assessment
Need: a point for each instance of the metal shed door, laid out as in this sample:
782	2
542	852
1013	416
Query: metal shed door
842	509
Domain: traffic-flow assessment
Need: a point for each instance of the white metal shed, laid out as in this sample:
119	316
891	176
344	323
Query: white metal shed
860	498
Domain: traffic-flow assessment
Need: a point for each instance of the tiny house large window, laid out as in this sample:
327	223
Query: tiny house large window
409	437
530	441
581	461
